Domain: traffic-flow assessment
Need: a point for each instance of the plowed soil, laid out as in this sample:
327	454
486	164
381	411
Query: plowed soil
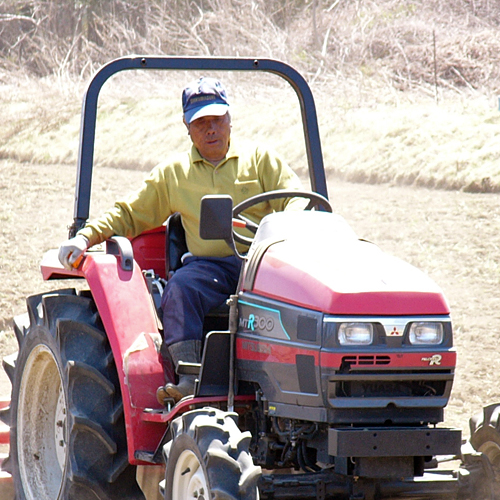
453	236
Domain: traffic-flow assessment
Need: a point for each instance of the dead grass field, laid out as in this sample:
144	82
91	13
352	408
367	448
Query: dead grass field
370	133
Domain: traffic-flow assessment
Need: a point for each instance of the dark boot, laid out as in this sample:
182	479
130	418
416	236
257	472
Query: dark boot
189	352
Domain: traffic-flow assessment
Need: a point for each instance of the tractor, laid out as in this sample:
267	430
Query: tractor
325	376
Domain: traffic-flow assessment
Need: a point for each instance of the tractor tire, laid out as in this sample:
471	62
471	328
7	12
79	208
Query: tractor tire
485	438
68	439
208	459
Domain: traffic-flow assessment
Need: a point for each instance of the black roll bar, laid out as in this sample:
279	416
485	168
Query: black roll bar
89	114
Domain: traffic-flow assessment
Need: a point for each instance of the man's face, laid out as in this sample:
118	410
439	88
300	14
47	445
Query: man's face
210	135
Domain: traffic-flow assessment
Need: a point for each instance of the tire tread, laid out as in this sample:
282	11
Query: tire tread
98	467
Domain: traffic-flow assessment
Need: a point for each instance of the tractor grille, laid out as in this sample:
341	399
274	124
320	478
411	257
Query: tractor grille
365	360
388	384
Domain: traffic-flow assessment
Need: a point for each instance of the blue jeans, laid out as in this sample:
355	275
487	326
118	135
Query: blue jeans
201	284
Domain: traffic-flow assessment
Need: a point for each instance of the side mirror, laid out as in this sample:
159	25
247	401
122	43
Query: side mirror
216	217
216	220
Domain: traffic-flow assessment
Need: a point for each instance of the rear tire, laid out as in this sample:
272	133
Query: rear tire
208	459
68	439
485	437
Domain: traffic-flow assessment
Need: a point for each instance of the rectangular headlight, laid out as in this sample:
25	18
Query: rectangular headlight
426	333
355	334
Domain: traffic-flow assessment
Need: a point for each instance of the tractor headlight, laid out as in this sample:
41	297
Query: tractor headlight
355	334
426	333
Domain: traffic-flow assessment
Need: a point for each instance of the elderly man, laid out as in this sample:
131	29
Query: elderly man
215	165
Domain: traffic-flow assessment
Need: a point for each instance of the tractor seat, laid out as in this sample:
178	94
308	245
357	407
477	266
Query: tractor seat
175	244
175	248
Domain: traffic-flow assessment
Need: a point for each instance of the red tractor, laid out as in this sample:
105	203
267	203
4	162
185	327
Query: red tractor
325	377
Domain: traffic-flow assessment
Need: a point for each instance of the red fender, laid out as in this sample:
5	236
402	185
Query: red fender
126	309
127	312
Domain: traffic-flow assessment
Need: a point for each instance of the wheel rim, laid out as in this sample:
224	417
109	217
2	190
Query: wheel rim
190	481
492	451
41	426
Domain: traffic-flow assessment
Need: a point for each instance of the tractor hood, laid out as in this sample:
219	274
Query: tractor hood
316	261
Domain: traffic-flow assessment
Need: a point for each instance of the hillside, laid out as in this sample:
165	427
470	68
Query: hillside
407	92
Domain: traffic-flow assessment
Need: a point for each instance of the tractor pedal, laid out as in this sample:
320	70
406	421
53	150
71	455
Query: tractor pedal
169	403
163	398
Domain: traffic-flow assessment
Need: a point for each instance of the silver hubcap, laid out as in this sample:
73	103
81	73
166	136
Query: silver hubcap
41	426
189	482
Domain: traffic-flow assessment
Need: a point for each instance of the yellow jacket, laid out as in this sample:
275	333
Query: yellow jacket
178	184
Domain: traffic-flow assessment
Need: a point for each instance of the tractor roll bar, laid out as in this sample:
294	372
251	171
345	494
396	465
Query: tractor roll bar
89	114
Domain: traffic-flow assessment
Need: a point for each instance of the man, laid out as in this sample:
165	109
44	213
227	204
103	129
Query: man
213	166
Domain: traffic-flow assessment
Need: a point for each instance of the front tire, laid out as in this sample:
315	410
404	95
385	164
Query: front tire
208	459
68	439
485	438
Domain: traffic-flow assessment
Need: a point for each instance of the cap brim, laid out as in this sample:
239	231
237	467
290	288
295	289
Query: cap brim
215	109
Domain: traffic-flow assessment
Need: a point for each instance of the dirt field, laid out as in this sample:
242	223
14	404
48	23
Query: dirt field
453	236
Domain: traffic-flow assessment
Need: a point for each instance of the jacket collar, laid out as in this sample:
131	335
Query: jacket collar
231	153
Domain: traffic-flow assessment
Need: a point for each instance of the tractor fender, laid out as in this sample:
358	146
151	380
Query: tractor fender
129	319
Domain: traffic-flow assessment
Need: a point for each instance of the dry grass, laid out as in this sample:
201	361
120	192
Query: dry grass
389	136
450	146
406	91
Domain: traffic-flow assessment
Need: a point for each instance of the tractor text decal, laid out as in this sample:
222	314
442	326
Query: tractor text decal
256	347
254	322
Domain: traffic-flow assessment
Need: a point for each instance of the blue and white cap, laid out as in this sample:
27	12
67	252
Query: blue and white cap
204	97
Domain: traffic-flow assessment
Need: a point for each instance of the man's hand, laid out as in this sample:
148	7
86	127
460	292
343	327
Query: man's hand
70	251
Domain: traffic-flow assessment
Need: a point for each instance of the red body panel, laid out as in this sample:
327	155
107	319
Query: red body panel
149	250
127	313
350	278
149	253
52	269
251	350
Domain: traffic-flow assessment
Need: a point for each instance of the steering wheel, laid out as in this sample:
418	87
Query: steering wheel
315	200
